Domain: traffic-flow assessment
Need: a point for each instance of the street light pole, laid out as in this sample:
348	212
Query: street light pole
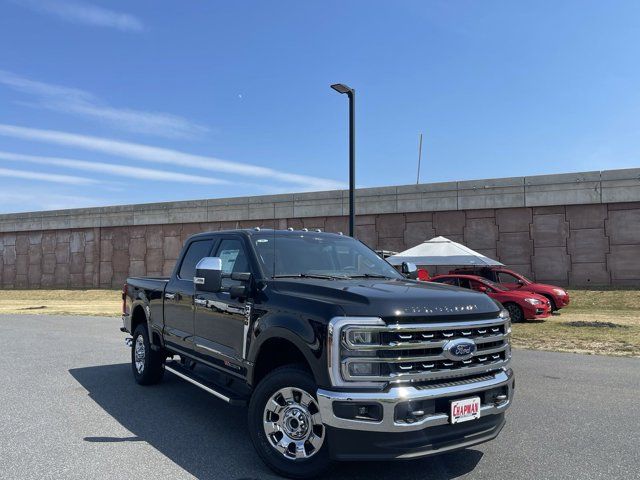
351	93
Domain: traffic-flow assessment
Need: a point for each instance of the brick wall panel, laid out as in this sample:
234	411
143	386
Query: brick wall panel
551	264
337	224
137	248
9	255
480	233
623	227
417	232
586	216
390	226
449	223
22	244
588	245
154	236
588	274
368	235
624	262
511	220
48	242
549	230
8	276
515	248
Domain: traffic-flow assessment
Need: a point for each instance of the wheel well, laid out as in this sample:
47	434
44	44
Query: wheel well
514	304
552	302
274	353
507	304
137	318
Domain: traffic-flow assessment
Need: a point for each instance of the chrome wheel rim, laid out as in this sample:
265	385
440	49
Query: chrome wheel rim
292	423
139	353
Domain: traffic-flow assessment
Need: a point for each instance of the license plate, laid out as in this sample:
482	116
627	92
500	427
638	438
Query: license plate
465	410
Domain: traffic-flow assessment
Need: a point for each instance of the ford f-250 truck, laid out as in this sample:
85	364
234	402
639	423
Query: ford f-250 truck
336	354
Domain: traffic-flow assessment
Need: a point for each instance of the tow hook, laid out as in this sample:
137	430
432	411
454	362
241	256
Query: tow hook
128	341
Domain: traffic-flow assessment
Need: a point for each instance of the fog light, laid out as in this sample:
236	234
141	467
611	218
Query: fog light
364	369
358	411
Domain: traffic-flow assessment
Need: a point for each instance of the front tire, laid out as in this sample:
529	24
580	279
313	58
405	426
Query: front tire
285	424
515	312
147	364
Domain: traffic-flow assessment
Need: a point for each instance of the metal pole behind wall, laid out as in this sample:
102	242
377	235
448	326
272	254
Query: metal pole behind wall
419	158
352	162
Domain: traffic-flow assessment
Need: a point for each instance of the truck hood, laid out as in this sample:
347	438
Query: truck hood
392	298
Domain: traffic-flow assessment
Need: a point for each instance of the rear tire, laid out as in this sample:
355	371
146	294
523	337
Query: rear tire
147	364
515	312
285	424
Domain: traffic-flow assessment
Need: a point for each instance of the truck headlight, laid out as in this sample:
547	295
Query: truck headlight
533	301
351	349
362	338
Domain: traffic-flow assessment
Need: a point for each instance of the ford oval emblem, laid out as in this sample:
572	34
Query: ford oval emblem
459	349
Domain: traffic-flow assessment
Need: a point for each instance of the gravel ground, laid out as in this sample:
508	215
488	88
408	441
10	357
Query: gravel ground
70	409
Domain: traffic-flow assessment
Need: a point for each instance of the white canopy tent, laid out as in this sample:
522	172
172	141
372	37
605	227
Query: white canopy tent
441	251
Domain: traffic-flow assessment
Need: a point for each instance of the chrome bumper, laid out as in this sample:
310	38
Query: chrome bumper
397	395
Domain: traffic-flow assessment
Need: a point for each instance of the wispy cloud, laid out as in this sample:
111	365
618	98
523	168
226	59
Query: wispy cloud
167	156
80	102
18	200
113	169
46	177
84	14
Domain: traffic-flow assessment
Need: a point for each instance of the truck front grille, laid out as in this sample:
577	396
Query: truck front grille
402	352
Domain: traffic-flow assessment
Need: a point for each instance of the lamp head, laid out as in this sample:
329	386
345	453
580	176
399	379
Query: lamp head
341	88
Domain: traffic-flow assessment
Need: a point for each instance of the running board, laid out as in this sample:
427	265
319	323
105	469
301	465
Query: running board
208	386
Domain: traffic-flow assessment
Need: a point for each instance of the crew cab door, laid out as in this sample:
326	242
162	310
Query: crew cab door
221	322
178	297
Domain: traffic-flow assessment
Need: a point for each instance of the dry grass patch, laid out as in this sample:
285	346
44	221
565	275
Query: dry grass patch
603	322
106	303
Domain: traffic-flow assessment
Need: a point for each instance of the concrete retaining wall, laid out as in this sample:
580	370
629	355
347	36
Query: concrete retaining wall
570	229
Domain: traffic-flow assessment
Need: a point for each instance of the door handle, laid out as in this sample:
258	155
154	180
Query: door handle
169	296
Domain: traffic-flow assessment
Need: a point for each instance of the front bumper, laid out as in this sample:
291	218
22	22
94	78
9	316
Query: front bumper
399	436
562	301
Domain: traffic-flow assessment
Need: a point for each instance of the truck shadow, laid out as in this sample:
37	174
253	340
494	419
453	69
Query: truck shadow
209	439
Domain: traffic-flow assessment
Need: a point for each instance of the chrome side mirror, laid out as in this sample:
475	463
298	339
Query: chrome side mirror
410	270
208	275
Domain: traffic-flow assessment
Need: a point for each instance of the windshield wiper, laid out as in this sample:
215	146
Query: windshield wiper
368	275
310	275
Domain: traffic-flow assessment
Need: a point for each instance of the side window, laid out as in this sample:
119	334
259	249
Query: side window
449	281
464	283
477	286
234	259
504	277
196	252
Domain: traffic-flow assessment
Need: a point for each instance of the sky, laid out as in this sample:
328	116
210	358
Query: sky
119	102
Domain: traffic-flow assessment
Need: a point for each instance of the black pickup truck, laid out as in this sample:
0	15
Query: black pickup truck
337	355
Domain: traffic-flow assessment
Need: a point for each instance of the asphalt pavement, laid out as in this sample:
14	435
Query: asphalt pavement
69	408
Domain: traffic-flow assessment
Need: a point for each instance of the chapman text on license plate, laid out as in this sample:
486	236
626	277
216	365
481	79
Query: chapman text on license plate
465	410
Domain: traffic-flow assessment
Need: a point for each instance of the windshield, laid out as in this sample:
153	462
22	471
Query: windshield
308	254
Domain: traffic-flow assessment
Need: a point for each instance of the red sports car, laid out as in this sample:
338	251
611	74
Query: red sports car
522	305
558	297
